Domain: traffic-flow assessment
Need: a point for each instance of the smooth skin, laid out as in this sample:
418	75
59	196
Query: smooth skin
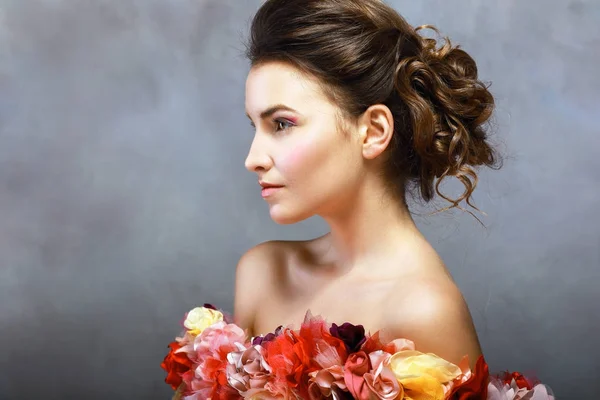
374	267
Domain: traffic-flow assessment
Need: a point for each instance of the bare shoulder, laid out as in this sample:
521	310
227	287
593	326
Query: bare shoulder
252	276
258	272
433	313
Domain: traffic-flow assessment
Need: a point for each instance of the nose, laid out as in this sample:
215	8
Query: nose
258	158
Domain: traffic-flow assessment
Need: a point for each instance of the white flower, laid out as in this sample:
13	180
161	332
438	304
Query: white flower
200	318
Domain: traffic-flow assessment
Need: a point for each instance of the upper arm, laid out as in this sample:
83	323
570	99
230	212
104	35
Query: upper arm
250	283
438	322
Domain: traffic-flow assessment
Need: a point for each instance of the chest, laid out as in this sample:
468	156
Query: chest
357	303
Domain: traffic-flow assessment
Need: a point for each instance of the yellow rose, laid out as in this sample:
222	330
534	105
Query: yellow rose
201	318
422	375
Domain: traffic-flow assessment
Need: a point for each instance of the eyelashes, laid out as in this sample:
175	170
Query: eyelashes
281	125
280	122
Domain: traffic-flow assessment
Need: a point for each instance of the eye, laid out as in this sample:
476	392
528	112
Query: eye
282	125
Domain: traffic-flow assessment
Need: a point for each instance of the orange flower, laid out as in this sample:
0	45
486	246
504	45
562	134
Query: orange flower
176	364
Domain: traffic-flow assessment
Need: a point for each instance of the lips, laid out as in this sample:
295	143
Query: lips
270	190
267	186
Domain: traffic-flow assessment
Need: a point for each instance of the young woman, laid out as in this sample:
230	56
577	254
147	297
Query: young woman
354	109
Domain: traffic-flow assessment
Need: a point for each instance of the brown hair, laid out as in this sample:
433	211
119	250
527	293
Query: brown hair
364	53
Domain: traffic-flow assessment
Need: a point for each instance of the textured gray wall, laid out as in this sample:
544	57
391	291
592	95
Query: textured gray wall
124	201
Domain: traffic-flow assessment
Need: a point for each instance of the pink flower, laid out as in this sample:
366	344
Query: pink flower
382	382
272	391
357	365
209	351
196	388
247	369
323	383
401	345
369	377
497	390
218	338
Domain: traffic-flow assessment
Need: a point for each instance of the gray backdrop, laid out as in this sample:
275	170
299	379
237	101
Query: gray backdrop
124	200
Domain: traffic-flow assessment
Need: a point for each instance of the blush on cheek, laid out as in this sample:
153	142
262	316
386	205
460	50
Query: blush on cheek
296	159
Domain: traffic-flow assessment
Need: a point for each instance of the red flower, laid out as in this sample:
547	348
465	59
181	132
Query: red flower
176	364
289	359
476	386
324	349
374	343
520	380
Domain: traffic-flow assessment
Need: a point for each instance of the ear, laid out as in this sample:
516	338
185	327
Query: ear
376	127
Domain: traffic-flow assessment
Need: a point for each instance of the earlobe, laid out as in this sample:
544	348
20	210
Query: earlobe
378	127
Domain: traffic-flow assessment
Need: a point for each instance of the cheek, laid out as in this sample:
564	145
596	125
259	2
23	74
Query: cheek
299	158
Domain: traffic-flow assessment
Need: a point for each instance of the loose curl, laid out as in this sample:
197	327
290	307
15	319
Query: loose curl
363	53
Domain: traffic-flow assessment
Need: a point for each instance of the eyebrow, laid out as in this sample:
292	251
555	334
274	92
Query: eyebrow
272	110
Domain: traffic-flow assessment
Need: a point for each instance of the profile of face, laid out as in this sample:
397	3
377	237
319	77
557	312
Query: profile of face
298	145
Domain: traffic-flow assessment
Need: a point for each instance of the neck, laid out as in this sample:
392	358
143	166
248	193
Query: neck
368	228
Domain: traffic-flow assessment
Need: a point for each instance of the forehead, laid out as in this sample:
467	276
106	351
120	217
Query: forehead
279	83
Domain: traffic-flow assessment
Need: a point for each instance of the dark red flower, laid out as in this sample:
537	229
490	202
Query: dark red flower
176	364
261	340
475	388
353	336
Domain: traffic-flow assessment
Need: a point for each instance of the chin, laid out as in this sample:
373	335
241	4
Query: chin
283	216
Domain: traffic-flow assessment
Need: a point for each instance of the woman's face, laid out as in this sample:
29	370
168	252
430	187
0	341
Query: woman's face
298	145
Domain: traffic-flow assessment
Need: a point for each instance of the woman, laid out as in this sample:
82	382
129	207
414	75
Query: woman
352	109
